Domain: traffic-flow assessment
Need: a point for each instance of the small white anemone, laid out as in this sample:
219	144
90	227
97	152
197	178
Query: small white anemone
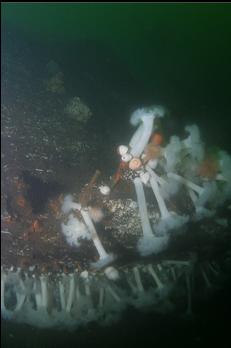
111	273
126	157
122	150
74	231
105	190
69	204
144	118
172	153
84	275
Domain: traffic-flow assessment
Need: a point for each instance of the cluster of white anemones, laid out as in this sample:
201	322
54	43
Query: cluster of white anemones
75	230
178	162
175	165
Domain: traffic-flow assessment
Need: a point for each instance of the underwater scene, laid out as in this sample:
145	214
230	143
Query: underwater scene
115	175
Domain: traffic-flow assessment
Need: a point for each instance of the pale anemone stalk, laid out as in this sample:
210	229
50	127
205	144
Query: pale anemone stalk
132	286
20	290
168	219
74	230
148	243
225	167
5	312
44	291
110	290
101	297
136	136
104	257
138	280
198	189
199	195
106	290
225	176
66	286
21	294
155	277
40	290
167	187
205	277
138	287
146	297
141	297
193	143
85	276
37	292
87	298
172	153
71	292
110	303
62	293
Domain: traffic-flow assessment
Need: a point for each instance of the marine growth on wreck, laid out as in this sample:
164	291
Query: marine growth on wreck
153	235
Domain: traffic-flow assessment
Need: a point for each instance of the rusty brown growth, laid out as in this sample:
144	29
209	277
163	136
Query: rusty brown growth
151	152
86	194
209	168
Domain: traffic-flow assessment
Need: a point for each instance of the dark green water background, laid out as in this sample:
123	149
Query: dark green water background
169	46
180	53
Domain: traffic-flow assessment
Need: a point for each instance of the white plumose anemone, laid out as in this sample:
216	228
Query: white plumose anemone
122	149
172	153
146	117
69	204
74	231
105	190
